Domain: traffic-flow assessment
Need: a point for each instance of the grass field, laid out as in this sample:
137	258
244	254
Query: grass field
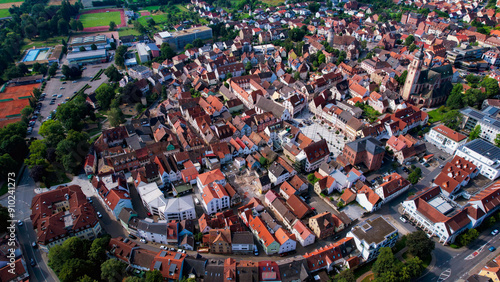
274	2
436	115
100	19
4	13
157	18
182	8
9	1
151	8
128	31
28	44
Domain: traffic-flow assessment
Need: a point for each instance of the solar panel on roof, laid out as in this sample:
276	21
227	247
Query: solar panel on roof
163	253
172	268
178	256
157	265
476	115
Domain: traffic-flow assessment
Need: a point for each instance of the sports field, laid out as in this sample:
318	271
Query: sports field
100	19
13	100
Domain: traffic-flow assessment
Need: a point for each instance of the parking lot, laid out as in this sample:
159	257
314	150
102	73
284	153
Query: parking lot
67	89
316	132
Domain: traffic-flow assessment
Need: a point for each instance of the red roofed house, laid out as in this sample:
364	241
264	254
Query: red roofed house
209	177
264	237
325	224
393	185
170	264
439	216
62	213
445	138
215	198
286	240
329	256
303	234
90	164
315	154
455	174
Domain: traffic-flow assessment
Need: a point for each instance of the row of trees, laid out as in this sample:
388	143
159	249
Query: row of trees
480	90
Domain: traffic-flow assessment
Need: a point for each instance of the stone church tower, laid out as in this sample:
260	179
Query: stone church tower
413	74
330	37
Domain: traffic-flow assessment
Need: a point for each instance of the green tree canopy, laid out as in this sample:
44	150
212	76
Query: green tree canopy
113	270
419	244
474	134
104	94
53	132
115	116
452	119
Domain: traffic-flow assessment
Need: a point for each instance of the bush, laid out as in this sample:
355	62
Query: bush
337	132
340	205
322	194
454	246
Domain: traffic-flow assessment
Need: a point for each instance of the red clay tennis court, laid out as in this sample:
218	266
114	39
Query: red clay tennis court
13	100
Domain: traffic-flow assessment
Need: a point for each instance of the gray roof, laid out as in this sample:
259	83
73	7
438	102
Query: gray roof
194	266
152	227
484	148
270	106
373	231
245	237
370	144
276	169
125	214
293	269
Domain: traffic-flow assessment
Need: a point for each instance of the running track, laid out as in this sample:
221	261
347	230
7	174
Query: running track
104	28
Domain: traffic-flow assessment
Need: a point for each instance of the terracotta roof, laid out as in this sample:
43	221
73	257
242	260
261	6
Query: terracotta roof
211	176
282	236
258	226
297	206
446	131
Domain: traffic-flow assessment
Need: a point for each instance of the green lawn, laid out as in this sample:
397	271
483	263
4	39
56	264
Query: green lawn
4	13
28	44
157	18
151	8
128	31
435	115
182	8
10	1
100	19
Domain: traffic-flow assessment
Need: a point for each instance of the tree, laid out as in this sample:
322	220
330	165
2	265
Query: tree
154	276
497	140
248	66
97	252
166	51
452	119
415	175
409	40
119	55
474	134
112	25
27	111
71	151
133	279
115	116
263	161
412	47
53	132
188	46
4	217
321	58
296	75
455	100
412	268
491	86
38	151
345	276
62	27
364	43
82	49
53	69
419	244
312	178
112	270
402	79
113	74
74	268
93	47
71	72
472	79
79	25
198	43
73	24
72	113
38	172
385	262
7	164
131	94
104	94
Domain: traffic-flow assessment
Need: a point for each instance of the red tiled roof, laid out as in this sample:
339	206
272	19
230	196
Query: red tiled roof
450	133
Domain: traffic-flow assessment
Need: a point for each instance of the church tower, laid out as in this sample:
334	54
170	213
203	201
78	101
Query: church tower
413	73
330	37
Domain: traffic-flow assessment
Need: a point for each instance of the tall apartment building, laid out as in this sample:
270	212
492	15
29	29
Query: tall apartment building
181	38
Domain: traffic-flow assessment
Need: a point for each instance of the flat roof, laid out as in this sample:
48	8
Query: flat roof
86	54
373	231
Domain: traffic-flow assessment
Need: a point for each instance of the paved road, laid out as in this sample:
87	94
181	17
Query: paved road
25	234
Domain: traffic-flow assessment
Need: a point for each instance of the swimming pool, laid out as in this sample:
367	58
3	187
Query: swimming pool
31	55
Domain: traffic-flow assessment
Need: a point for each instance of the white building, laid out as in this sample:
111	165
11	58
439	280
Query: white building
168	209
393	185
215	198
287	244
371	235
303	234
487	119
482	154
242	242
278	174
445	138
209	177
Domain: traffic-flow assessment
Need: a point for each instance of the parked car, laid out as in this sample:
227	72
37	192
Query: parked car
99	214
492	249
64	82
196	201
255	250
403	219
20	223
494	232
89	199
143	241
32	262
34	245
132	236
163	247
427	165
59	96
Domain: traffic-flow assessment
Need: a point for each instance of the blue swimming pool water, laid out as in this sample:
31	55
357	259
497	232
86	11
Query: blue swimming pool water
31	56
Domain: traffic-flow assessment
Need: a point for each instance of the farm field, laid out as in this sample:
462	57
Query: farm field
100	19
